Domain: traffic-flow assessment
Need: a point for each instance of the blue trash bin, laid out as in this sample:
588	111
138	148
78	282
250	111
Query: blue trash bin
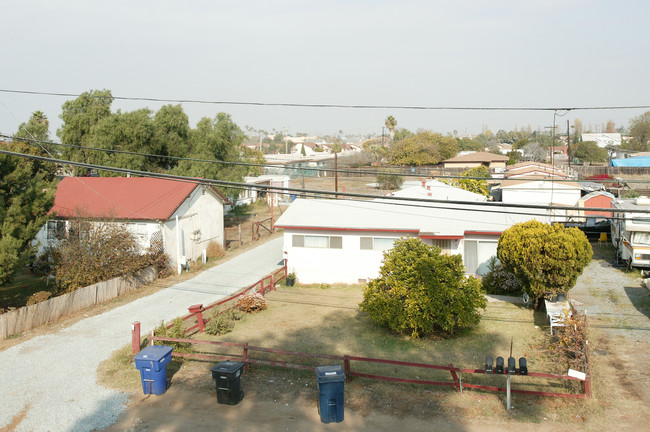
152	364
331	383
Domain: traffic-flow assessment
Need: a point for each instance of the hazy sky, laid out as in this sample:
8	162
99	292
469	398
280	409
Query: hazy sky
508	53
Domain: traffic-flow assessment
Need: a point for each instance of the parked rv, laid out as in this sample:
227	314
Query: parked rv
631	232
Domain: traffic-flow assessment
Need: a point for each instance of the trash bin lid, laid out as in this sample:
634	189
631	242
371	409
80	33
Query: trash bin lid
227	366
330	374
154	353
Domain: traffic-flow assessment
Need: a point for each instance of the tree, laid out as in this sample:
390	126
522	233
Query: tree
389	181
217	139
26	195
611	126
589	151
545	258
130	131
172	133
534	151
28	140
424	148
36	128
478	186
79	116
640	132
391	123
420	291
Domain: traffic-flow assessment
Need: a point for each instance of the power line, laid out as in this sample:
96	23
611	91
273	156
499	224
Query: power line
353	106
288	167
228	184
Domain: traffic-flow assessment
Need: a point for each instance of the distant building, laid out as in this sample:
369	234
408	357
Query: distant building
494	162
603	139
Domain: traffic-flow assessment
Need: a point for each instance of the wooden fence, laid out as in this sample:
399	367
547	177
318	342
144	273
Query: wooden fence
456	373
29	317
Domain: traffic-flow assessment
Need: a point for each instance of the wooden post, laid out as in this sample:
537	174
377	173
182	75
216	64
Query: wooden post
239	228
151	338
272	282
346	366
245	356
135	337
455	377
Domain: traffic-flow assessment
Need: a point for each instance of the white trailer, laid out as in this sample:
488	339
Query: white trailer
631	232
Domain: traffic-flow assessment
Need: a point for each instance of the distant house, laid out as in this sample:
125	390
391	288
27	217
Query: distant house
529	169
537	190
184	216
436	190
328	241
603	139
597	199
247	196
495	162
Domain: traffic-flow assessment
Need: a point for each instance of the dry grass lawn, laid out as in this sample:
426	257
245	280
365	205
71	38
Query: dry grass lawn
326	320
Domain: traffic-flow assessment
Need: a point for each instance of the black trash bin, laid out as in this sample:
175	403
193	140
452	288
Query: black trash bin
331	384
227	376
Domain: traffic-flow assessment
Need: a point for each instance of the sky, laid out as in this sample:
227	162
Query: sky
498	53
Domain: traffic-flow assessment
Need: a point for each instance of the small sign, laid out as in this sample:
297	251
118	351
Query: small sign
577	374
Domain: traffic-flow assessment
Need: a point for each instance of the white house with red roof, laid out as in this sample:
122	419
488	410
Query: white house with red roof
184	216
330	241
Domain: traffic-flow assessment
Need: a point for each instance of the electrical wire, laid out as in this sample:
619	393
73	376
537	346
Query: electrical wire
353	106
288	167
494	206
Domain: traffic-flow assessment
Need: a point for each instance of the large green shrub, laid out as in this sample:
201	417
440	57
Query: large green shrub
419	291
545	258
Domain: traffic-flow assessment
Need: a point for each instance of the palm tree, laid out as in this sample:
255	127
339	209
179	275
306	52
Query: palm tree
391	123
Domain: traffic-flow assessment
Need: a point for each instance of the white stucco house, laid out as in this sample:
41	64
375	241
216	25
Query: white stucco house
184	216
250	195
330	241
436	190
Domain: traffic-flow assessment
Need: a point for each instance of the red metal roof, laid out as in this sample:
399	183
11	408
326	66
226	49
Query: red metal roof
120	197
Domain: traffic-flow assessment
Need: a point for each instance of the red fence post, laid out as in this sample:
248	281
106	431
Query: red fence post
245	355
135	337
197	309
455	377
272	287
346	366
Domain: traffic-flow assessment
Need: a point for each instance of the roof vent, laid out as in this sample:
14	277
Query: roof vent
642	201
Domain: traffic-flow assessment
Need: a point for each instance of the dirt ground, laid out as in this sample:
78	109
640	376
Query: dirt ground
278	399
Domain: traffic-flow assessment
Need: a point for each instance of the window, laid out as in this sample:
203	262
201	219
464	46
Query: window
376	243
443	244
312	241
641	238
55	230
477	255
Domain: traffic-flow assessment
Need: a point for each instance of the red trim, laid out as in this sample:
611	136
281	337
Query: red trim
488	233
441	237
348	229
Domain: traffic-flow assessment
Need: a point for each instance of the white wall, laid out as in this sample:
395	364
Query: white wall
349	264
540	193
200	222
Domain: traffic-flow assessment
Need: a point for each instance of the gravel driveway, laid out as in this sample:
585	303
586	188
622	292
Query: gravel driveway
49	381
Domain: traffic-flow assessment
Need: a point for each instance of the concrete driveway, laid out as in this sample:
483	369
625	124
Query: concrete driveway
48	382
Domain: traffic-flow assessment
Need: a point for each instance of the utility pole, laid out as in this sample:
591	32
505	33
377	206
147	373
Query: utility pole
336	173
568	143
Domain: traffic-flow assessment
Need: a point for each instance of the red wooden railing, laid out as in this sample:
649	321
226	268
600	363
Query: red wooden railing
349	372
262	286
